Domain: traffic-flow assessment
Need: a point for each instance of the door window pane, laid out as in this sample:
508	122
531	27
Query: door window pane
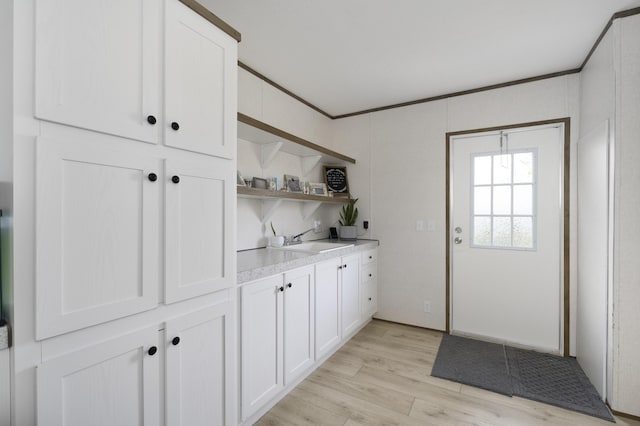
482	200
482	230
523	199
502	231
523	232
502	199
523	167
501	169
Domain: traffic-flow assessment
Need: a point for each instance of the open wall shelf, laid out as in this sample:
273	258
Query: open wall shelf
274	140
271	200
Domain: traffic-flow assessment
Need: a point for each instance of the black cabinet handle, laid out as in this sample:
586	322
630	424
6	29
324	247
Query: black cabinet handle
152	177
370	257
344	266
175	179
152	350
176	340
175	126
369	299
340	267
369	274
281	288
289	285
151	119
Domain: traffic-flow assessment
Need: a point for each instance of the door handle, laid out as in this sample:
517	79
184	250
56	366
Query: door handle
457	240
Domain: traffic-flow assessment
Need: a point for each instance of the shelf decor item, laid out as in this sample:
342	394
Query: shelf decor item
348	218
335	177
293	183
318	189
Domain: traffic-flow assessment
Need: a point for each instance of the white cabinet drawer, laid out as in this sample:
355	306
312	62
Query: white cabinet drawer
370	256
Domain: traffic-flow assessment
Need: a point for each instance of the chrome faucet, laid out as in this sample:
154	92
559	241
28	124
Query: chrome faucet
295	239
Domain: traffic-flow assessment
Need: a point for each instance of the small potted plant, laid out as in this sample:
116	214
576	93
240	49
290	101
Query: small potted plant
348	217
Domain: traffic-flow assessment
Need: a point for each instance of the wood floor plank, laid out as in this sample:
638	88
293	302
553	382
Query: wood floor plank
383	377
360	410
301	412
396	401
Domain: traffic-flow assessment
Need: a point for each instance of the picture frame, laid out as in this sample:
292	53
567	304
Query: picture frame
293	183
335	177
319	189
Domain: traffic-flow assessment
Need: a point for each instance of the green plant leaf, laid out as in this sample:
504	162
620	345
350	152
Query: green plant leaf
273	229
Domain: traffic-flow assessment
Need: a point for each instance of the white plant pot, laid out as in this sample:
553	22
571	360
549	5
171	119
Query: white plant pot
277	241
348	232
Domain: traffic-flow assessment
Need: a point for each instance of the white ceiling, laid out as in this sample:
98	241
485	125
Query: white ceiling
350	55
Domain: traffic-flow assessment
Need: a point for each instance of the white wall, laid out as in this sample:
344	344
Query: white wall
268	104
408	183
626	287
6	190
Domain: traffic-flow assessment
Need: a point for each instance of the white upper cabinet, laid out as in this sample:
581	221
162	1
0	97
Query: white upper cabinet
200	219
97	65
97	223
201	84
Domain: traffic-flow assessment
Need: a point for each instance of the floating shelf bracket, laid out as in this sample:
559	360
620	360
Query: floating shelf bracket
309	208
269	207
309	162
269	151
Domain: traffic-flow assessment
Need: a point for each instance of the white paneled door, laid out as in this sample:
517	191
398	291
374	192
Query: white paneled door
97	65
593	254
200	201
506	236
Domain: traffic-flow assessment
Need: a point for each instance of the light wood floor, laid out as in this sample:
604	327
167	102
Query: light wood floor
382	377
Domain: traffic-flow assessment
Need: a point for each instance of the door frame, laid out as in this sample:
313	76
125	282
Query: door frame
566	187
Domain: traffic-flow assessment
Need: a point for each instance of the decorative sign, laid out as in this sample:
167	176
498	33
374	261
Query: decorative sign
336	179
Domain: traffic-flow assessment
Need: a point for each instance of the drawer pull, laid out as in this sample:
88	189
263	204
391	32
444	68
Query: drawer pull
152	350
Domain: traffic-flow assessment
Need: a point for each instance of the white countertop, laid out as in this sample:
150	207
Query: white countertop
263	262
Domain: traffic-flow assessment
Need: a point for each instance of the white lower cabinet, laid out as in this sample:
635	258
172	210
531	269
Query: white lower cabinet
291	321
261	344
350	295
277	335
111	383
327	314
200	384
369	283
117	382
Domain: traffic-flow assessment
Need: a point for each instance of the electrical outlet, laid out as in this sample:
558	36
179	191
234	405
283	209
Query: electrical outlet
431	226
427	306
420	225
316	226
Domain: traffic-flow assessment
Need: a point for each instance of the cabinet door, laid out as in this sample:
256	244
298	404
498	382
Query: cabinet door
96	234
201	84
112	383
350	298
200	227
200	350
327	312
97	65
261	325
298	322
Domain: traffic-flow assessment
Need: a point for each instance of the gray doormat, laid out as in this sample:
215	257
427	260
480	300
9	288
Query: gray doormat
541	377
